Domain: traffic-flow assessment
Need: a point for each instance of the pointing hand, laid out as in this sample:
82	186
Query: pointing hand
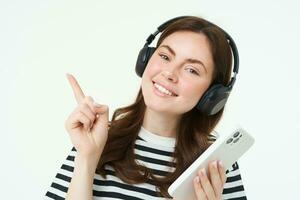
87	125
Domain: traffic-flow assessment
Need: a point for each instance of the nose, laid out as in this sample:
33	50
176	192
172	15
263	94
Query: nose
169	75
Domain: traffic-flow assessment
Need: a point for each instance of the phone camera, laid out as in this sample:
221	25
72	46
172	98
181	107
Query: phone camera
235	140
236	134
229	140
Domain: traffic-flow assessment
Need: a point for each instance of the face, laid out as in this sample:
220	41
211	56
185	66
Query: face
178	73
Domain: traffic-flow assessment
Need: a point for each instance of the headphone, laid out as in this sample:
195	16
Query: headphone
215	98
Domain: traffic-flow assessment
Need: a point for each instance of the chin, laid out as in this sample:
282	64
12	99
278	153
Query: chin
163	109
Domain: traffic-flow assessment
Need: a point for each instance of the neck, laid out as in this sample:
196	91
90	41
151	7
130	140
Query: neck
163	124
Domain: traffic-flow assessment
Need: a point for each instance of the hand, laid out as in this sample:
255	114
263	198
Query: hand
210	187
87	125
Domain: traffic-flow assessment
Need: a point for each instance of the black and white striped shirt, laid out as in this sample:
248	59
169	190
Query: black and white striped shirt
152	151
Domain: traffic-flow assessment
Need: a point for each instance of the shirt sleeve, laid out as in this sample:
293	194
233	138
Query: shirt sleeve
59	187
233	188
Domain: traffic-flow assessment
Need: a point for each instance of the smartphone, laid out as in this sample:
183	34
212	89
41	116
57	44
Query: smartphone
227	149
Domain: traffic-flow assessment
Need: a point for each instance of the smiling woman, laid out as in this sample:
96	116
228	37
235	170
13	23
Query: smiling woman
149	143
171	68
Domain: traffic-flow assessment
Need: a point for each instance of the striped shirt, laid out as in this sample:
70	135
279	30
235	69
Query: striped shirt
154	152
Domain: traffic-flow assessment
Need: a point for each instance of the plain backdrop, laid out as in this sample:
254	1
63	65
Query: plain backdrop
98	42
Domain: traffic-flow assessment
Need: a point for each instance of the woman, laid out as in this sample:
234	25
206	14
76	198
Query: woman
149	143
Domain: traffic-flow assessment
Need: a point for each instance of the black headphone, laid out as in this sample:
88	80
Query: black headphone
214	99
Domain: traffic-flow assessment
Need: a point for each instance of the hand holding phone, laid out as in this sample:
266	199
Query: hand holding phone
226	149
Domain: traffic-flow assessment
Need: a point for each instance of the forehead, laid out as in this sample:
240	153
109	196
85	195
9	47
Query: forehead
187	44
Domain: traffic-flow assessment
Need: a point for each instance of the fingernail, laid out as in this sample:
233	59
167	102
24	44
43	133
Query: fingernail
203	173
215	164
68	74
220	163
197	179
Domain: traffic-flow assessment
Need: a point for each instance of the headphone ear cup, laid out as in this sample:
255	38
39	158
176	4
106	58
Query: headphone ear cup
214	99
143	58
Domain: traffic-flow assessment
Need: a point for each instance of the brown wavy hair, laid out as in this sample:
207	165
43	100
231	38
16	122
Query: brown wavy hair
194	130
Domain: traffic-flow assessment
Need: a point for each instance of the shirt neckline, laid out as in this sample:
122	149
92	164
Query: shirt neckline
156	139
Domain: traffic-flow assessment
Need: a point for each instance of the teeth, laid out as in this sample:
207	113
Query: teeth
163	90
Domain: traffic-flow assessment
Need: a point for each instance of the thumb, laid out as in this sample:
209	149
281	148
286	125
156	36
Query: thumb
101	121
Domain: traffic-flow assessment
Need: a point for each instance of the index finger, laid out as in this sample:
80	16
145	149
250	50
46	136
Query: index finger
78	93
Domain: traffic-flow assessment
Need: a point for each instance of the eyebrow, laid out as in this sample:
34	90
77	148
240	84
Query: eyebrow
191	60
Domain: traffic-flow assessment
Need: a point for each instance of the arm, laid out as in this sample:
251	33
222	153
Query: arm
88	129
81	186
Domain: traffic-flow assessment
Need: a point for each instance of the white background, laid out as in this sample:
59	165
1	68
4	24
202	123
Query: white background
98	42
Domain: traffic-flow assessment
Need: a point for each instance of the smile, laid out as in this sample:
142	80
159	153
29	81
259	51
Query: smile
163	91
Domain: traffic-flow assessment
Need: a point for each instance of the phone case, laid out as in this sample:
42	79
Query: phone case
228	149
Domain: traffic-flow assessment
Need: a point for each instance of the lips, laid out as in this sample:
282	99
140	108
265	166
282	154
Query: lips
166	87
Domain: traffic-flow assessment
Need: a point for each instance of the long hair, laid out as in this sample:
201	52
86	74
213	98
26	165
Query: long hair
193	134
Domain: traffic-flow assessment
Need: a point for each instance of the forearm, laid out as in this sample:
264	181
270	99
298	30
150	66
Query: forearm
81	186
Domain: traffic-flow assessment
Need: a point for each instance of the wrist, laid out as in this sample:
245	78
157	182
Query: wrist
86	163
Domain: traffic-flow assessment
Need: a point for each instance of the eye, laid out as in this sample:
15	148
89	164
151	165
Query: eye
164	57
193	71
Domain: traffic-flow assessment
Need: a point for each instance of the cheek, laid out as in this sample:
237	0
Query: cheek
152	67
150	71
193	91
